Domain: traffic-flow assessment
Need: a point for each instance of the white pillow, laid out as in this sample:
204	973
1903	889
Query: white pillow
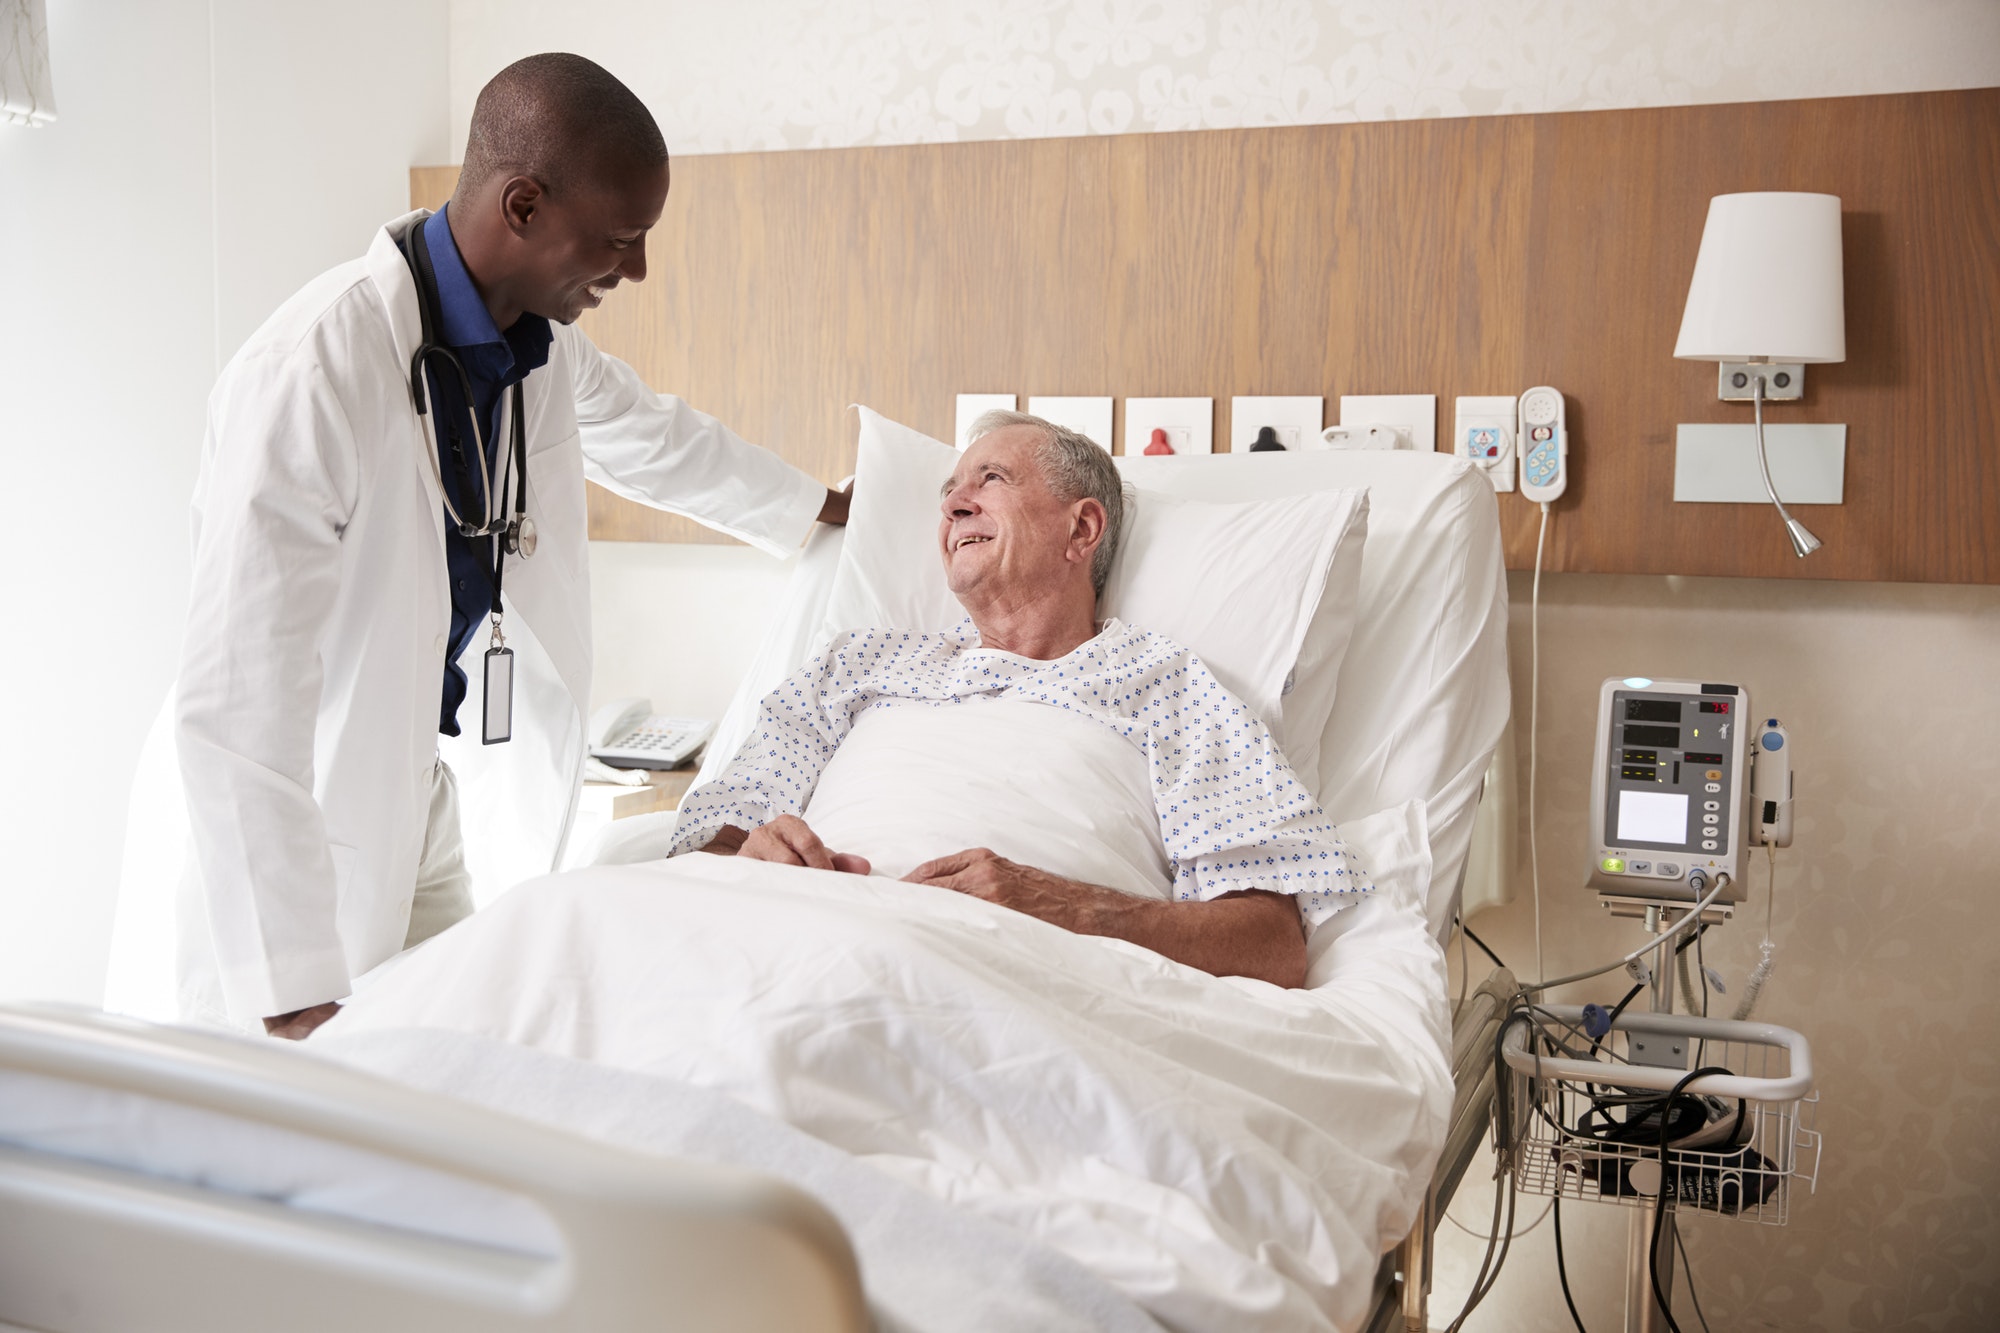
1263	591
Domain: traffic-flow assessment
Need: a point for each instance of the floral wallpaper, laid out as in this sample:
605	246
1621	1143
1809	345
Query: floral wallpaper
771	74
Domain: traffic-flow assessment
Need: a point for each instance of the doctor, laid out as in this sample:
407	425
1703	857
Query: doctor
381	563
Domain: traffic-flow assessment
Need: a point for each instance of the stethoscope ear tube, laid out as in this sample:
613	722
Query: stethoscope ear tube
516	535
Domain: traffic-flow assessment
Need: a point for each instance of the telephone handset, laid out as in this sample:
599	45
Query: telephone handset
627	733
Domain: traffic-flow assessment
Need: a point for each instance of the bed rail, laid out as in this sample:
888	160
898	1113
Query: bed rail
639	1238
1403	1283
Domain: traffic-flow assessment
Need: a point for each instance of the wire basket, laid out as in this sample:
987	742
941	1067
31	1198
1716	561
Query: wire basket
1586	1121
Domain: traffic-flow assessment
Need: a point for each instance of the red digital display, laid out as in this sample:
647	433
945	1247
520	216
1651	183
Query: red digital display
1708	707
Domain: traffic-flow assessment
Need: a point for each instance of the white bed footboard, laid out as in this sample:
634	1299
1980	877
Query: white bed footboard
120	1243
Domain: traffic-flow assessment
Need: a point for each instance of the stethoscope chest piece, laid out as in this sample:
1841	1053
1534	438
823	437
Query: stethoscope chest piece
521	537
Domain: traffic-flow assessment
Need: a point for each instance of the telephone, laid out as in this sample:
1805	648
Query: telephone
626	733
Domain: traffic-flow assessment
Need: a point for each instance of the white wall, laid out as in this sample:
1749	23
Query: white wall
209	158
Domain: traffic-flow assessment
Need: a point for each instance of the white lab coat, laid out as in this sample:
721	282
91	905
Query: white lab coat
309	686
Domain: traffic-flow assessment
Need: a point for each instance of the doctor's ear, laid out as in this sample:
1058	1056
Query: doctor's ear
520	200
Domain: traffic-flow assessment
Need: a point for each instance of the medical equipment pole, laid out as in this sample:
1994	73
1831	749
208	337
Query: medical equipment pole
1643	1312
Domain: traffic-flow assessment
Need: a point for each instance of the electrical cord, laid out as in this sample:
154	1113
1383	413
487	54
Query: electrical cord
1562	1269
1687	1270
1524	1231
1762	972
1482	945
1660	1208
1692	916
1534	730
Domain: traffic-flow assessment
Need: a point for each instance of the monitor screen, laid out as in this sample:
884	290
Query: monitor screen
1652	816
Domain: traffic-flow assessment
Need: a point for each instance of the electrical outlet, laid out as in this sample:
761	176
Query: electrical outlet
1414	415
1294	420
1483	431
1087	416
971	405
1188	423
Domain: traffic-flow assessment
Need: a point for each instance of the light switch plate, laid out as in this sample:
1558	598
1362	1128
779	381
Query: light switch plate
1414	414
1483	431
1296	420
1090	416
1188	422
1717	464
972	405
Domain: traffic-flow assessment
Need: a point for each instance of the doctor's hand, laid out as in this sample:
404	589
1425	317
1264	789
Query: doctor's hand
300	1023
788	841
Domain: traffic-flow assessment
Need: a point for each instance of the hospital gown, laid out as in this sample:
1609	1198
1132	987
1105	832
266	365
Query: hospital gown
1233	816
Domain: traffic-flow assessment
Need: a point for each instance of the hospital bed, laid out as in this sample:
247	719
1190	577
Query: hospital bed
158	1177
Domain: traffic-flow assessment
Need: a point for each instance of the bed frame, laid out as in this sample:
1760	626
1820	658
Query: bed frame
643	1238
85	1247
1403	1282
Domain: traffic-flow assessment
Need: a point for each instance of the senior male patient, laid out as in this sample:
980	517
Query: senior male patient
1244	861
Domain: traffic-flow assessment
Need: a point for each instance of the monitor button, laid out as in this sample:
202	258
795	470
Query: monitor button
1641	867
1708	844
1668	868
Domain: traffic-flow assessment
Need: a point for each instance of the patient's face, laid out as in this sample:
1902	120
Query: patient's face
1003	533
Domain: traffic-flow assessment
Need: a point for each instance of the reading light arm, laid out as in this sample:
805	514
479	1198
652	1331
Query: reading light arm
1803	542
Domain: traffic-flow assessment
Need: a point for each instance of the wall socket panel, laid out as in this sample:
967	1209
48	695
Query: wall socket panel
1297	421
1189	424
1413	415
969	407
1088	416
1483	429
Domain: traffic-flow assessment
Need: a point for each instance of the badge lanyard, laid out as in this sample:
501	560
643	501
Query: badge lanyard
509	536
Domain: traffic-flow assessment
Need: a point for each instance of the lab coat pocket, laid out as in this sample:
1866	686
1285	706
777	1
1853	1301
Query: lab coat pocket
343	867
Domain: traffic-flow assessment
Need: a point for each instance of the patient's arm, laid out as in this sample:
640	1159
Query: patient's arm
788	840
1251	934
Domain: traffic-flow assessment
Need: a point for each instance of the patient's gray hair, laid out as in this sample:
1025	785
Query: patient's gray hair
1074	466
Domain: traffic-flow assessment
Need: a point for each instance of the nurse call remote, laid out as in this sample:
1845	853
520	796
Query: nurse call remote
1542	443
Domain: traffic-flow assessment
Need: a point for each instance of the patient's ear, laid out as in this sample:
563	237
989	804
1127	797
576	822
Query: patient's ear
1086	528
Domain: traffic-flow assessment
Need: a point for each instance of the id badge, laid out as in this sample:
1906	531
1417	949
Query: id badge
499	696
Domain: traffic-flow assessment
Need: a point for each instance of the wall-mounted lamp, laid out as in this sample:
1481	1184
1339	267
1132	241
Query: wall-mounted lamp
1767	301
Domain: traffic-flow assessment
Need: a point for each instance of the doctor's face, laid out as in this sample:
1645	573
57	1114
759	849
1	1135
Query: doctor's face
590	238
1005	536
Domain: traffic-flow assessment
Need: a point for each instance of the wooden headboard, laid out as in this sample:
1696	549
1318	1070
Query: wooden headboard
1468	256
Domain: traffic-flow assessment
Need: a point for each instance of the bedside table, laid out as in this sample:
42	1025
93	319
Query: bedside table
663	791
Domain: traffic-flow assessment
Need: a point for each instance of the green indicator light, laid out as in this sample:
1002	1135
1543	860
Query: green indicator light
1615	864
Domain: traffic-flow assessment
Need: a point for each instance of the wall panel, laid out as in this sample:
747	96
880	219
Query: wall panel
1467	256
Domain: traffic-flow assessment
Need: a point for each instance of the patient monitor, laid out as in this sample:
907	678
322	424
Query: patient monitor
1670	789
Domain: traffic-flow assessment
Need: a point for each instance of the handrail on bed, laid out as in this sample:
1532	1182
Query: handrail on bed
1403	1284
643	1238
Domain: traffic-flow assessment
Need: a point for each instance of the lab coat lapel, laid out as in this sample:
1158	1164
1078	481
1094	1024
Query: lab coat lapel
390	274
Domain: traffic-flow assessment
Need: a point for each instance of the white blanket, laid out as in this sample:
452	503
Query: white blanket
1229	1154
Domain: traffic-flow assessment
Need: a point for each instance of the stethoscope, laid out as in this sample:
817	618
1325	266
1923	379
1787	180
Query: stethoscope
515	535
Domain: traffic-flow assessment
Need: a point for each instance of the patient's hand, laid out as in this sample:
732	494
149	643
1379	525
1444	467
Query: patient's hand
1249	934
980	873
789	841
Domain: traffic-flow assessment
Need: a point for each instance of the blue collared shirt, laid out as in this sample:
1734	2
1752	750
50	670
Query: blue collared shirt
494	361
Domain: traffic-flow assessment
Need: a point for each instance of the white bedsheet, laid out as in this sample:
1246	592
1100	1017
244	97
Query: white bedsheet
1228	1154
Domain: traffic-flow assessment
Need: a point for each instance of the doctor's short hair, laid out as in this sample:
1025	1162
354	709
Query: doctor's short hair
557	118
1074	466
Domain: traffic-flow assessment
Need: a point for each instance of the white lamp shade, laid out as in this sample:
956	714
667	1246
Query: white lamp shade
1767	282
